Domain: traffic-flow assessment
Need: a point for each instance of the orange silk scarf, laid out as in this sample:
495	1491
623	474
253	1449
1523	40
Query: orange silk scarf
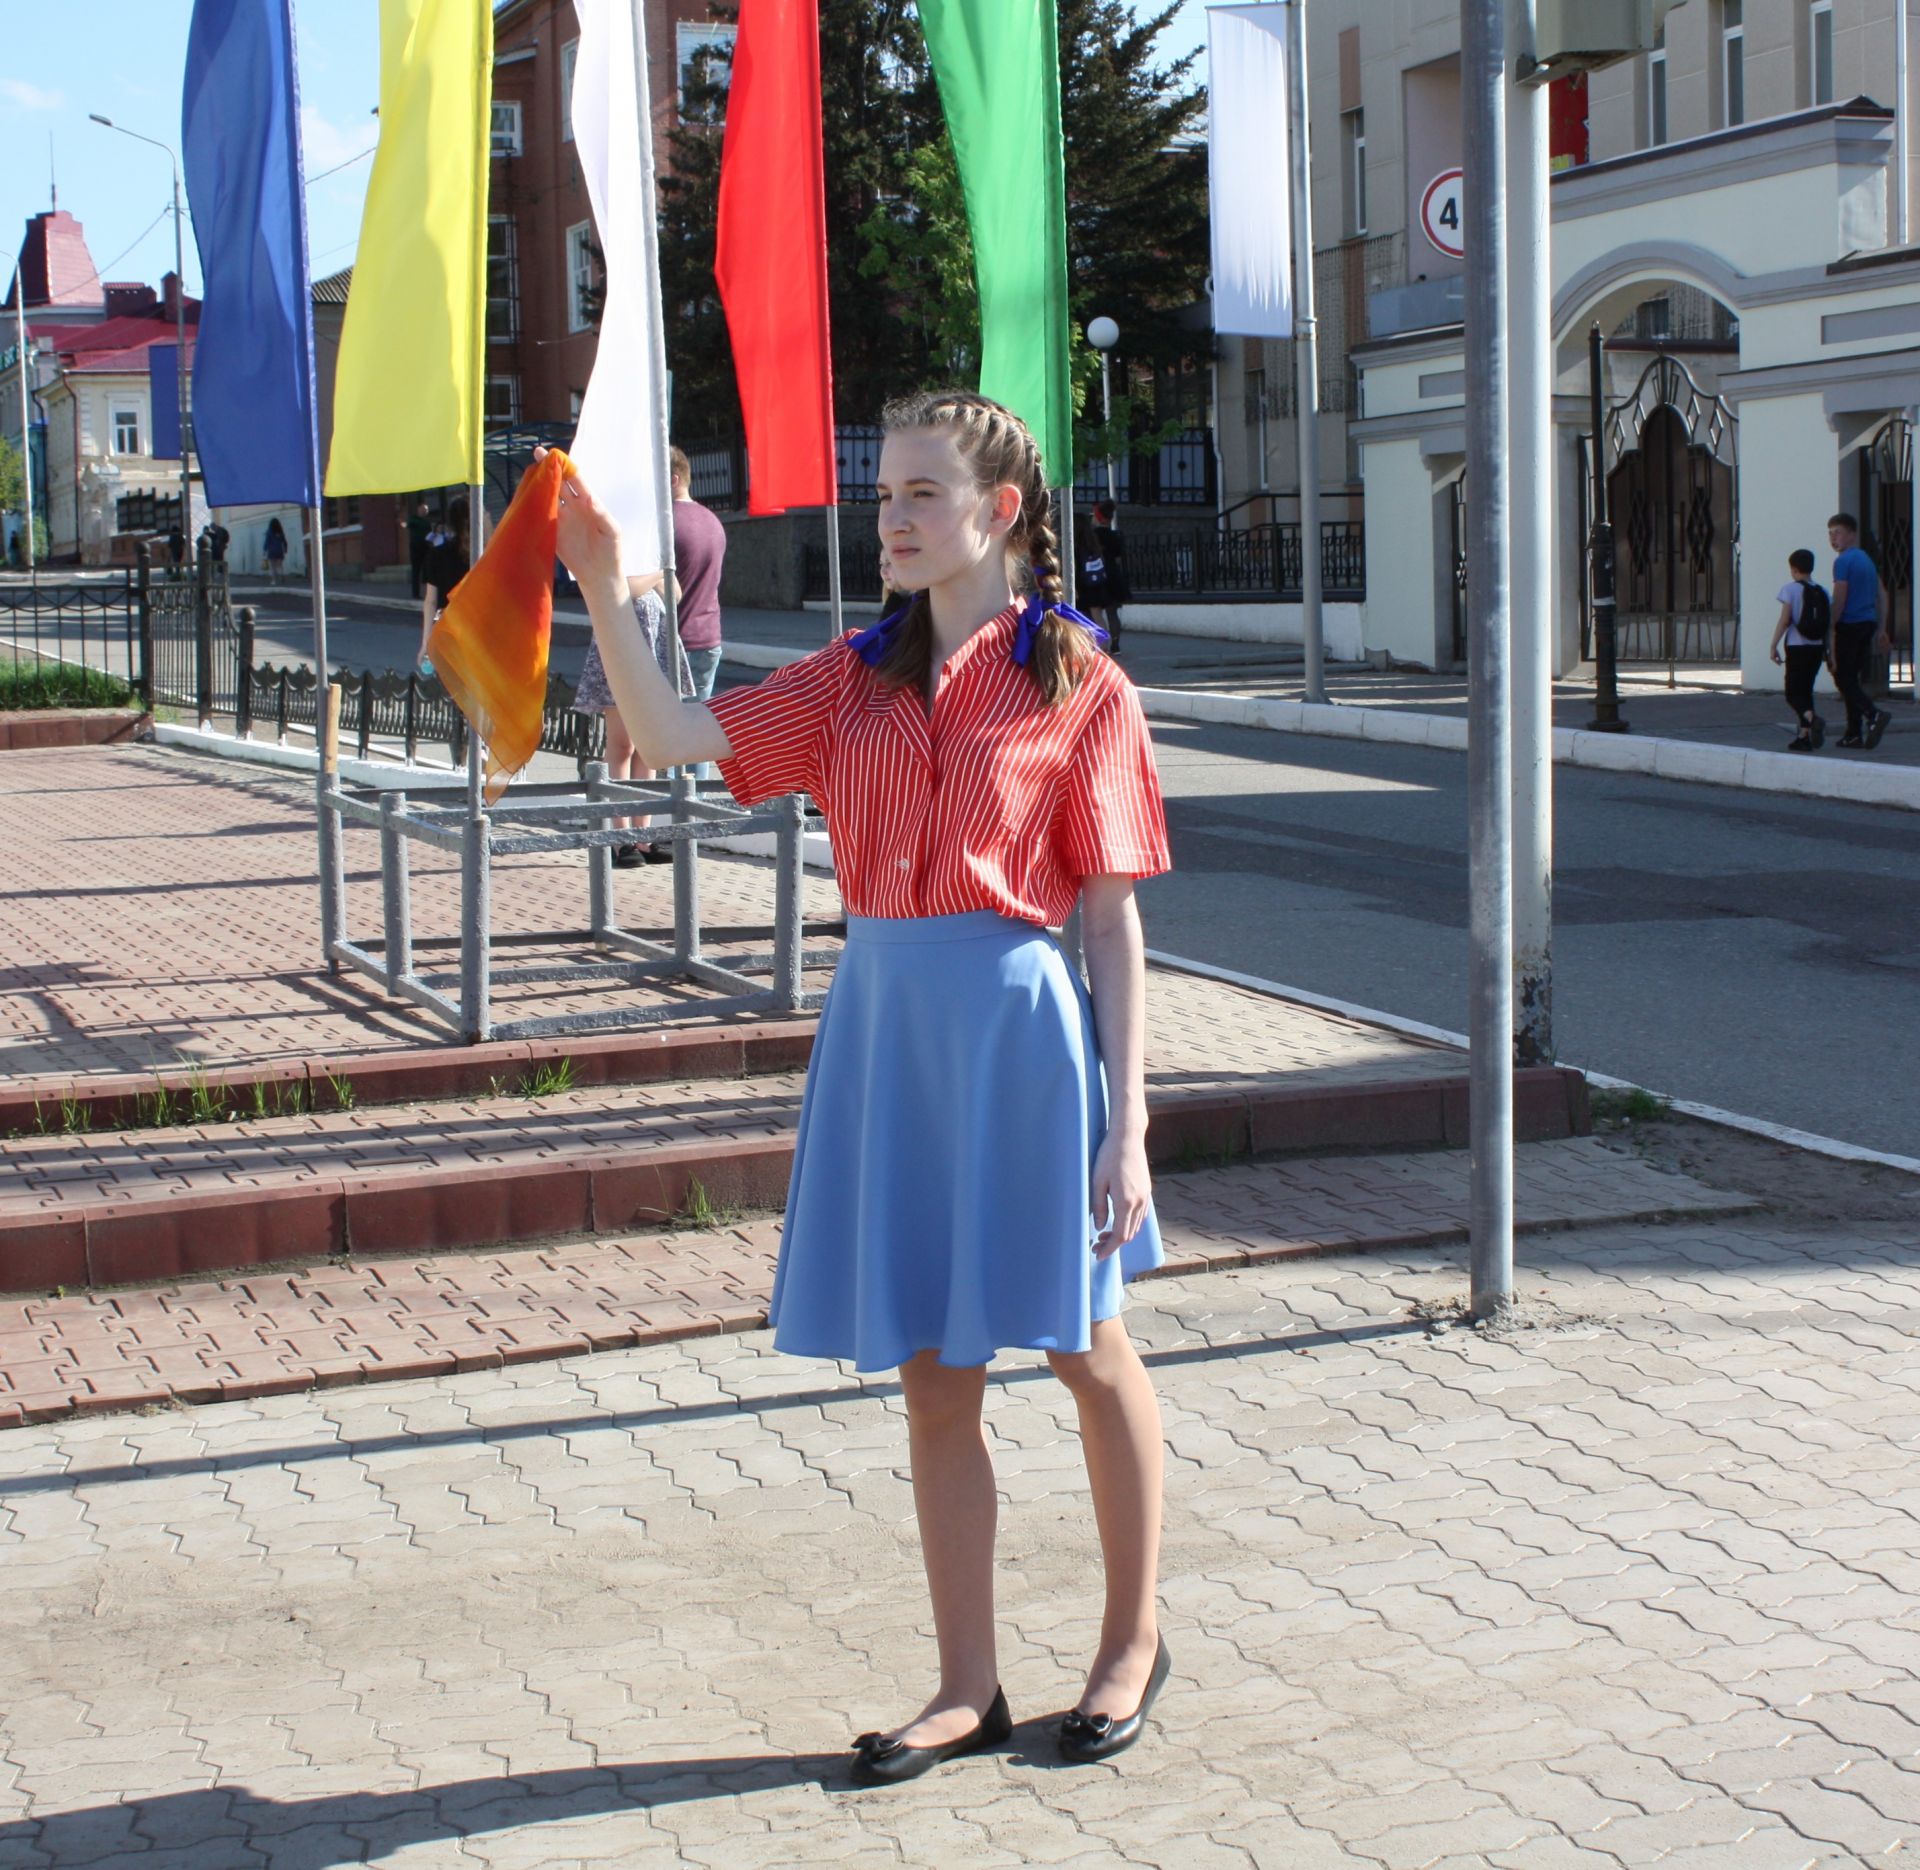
490	644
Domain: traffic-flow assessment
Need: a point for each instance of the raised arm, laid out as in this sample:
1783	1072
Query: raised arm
665	730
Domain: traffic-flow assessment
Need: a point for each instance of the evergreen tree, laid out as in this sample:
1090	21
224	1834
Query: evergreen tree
900	264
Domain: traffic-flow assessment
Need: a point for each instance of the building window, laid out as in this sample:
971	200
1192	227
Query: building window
1733	60
583	289
576	401
1657	88
569	57
503	279
1820	50
706	66
503	401
1353	124
506	127
337	514
126	431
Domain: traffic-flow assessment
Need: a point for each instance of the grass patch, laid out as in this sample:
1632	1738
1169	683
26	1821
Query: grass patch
60	685
698	1209
552	1079
1631	1106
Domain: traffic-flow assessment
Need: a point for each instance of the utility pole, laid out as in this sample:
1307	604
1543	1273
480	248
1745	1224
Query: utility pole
1530	450
179	313
1306	358
1483	86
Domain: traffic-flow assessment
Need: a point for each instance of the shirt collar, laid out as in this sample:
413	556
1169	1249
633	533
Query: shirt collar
872	644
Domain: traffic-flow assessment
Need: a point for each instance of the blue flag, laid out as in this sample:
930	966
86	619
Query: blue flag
253	377
163	393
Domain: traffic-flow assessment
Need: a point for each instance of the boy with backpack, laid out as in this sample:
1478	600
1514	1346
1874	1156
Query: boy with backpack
1806	616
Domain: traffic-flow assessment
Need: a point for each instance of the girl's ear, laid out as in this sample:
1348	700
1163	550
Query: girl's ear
1005	511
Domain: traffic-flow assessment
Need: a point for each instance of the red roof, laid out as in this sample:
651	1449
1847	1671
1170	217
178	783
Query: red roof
55	266
133	358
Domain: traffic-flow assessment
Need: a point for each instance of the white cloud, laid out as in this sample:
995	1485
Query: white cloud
25	96
328	144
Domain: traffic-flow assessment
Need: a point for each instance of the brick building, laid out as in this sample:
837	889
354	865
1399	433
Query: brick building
542	273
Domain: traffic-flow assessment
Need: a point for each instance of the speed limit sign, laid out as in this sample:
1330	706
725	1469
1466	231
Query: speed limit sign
1440	214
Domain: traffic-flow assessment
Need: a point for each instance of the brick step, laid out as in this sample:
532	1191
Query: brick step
358	1081
133	1207
389	1319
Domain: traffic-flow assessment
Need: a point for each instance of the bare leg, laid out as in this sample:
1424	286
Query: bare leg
623	762
1120	1431
956	1504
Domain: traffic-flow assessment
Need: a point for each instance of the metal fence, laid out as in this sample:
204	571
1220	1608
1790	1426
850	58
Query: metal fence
88	623
1168	564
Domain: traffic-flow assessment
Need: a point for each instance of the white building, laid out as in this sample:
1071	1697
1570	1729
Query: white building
1728	211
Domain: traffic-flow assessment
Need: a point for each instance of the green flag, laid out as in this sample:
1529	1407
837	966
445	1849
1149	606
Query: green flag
997	63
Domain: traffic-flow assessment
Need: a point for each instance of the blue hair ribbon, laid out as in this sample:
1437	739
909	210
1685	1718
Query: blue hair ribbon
871	644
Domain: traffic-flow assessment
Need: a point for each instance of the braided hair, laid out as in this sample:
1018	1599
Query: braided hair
999	449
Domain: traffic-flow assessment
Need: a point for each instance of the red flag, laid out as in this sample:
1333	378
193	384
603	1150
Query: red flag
771	255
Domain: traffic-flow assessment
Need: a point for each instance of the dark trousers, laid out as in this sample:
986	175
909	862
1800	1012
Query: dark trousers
1803	670
418	557
1852	657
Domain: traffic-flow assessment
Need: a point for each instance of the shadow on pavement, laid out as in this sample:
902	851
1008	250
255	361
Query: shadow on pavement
215	1824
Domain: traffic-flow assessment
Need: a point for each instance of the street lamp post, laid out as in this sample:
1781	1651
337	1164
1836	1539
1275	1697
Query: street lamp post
179	314
1103	334
26	404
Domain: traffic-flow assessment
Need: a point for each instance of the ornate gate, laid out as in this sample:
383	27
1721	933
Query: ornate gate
1673	495
1886	515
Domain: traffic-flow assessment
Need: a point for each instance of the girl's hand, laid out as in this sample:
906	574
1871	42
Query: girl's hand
1776	655
1121	1181
588	541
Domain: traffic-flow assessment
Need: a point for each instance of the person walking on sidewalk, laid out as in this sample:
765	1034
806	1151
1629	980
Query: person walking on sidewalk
593	696
274	549
699	555
1805	622
419	537
1103	573
1857	632
970	1172
449	556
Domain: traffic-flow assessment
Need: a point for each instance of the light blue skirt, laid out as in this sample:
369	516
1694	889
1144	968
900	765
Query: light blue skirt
940	1196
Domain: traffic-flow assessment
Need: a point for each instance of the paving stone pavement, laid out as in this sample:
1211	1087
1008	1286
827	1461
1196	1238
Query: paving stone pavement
159	909
386	1319
1640	1589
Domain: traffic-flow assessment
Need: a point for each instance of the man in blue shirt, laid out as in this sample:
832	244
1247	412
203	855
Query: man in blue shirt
1857	631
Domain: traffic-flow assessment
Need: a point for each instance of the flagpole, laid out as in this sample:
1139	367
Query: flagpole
835	603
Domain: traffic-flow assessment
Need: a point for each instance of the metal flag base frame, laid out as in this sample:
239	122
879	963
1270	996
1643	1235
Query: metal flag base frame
544	819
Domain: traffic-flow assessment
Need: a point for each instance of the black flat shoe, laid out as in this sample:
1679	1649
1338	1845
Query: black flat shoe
1085	1738
656	853
878	1761
626	857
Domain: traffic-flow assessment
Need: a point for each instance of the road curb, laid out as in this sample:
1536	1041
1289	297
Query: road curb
1818	776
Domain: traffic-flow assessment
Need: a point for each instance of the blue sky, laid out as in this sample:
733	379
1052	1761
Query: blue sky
123	58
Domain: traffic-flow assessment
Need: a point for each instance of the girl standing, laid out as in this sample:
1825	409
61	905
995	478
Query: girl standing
966	1177
276	548
449	557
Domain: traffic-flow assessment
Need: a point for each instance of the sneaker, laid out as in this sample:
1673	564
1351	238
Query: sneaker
1878	726
1849	740
1801	745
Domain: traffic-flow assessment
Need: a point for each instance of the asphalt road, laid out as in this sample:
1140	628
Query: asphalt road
1745	950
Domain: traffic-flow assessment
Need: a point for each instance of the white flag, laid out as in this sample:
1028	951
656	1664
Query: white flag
614	445
1248	174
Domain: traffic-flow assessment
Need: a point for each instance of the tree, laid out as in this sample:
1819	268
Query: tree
13	479
899	261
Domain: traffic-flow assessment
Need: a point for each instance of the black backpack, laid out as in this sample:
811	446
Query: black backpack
1816	612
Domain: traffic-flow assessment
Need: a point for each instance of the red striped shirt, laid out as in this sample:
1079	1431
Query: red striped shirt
993	801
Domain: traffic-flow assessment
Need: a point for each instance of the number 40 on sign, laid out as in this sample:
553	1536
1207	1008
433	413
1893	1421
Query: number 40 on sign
1440	214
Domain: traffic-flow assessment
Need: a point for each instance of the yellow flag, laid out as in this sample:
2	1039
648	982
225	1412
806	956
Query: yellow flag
409	392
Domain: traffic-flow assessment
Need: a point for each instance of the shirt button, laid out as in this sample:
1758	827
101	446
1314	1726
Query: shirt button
905	863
